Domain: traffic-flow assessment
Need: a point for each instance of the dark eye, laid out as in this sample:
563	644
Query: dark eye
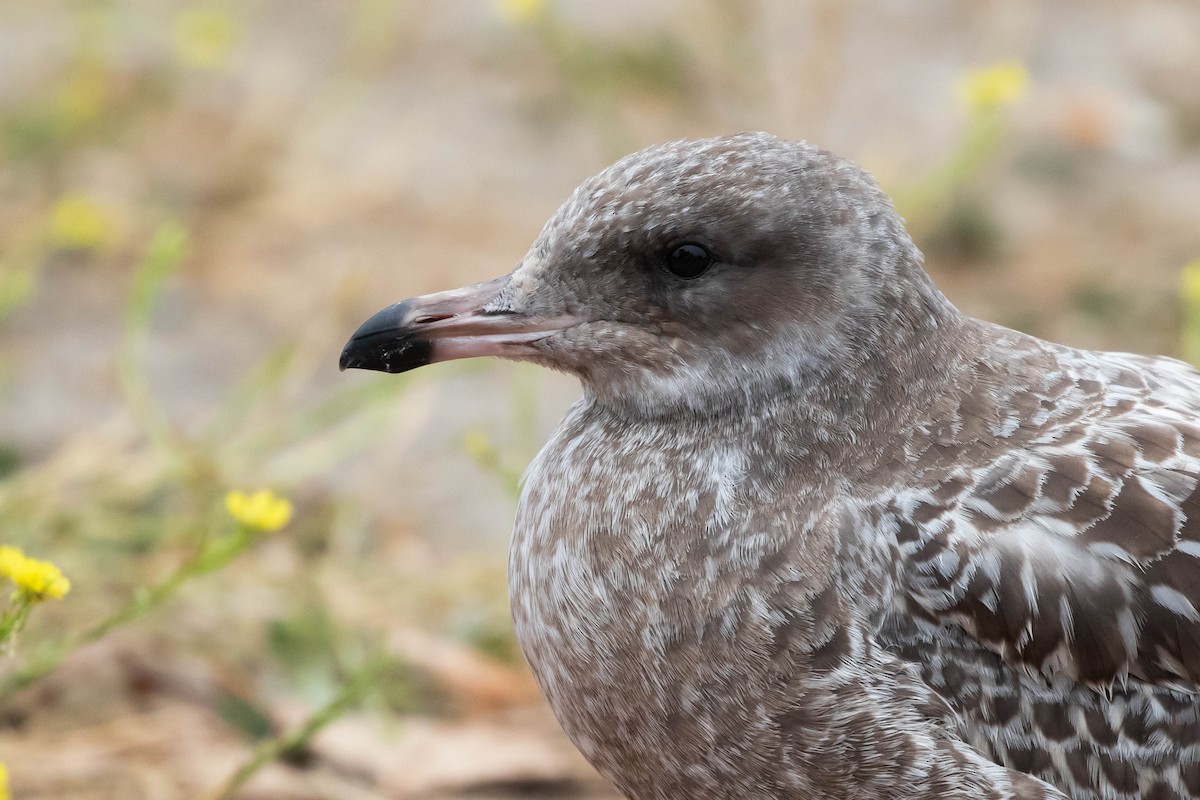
689	260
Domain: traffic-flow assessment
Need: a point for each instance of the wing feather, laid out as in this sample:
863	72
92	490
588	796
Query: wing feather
1068	542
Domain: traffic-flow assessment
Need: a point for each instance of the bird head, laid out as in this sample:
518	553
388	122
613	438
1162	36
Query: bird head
690	275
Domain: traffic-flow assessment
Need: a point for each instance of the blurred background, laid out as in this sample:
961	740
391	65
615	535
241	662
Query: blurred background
200	201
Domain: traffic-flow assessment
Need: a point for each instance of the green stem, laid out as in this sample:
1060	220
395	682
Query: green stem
347	698
981	140
166	251
213	557
13	620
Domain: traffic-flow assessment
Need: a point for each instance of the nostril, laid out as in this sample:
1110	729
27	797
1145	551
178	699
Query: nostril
422	320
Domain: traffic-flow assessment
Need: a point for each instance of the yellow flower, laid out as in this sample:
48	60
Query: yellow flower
10	557
993	87
521	12
1189	283
204	36
4	795
41	579
260	511
78	223
35	579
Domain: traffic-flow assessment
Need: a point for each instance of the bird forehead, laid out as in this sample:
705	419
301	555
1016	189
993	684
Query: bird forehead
674	185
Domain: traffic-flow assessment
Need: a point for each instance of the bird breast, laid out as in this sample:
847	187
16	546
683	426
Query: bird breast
647	580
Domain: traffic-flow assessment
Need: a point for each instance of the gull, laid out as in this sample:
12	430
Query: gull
811	531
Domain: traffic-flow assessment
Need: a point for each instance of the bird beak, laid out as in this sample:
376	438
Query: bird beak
461	323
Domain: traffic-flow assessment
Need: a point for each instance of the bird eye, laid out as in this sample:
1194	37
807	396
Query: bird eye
689	260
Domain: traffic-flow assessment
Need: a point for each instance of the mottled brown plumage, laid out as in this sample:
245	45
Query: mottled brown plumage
813	533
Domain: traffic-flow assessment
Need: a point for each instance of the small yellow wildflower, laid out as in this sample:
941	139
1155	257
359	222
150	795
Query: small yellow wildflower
4	794
521	12
260	511
204	36
10	557
36	580
1189	284
40	579
78	223
990	88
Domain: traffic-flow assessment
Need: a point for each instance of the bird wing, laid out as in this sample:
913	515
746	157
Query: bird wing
1070	542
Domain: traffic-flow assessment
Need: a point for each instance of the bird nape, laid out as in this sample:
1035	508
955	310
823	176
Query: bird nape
811	532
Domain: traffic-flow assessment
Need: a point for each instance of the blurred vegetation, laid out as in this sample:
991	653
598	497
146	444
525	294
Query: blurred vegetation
597	74
944	207
1189	296
181	508
136	526
160	524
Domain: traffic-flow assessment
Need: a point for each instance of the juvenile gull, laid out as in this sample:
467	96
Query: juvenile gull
811	532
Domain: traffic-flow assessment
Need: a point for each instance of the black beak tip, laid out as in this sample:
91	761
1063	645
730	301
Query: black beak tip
386	343
396	354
